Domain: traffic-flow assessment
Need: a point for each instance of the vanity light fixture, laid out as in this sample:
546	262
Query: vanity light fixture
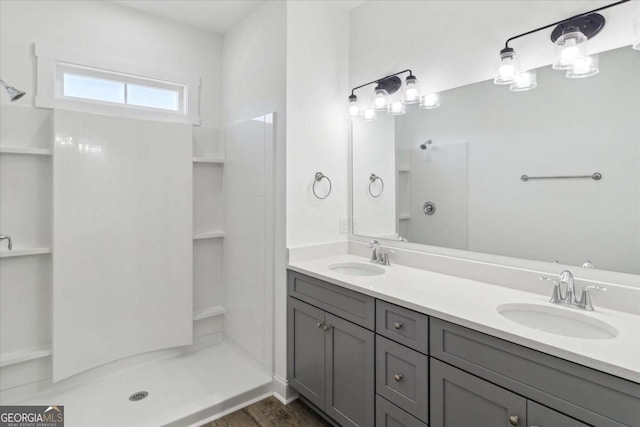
354	107
381	99
570	38
429	101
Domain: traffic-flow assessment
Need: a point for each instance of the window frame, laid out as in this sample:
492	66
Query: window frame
54	62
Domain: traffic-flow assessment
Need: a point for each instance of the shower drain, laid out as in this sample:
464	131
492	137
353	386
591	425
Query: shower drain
138	395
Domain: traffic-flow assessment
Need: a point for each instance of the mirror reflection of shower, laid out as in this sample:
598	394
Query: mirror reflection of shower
425	145
14	94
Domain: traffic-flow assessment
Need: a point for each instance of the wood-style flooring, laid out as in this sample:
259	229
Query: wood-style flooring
271	413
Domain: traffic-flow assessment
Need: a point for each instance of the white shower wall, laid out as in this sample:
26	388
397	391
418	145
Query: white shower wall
249	234
122	282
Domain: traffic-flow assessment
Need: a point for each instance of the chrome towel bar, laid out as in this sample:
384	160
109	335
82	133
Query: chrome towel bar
596	176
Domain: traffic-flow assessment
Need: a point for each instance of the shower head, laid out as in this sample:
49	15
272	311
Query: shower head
425	144
14	94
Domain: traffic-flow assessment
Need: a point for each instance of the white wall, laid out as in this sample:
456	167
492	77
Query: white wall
254	75
453	43
106	28
317	124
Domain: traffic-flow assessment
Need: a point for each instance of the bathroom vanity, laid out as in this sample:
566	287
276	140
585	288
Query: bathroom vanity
376	351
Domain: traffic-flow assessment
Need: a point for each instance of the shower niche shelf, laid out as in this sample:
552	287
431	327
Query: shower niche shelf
24	252
22	356
213	160
6	149
206	313
211	235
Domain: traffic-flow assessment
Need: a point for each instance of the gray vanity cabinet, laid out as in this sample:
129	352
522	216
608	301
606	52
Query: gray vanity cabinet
306	346
541	416
330	359
460	399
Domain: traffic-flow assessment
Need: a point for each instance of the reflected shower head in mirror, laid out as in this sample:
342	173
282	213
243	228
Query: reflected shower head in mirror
14	94
425	144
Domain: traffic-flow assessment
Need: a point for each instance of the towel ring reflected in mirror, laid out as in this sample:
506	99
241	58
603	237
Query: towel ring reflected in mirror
318	178
372	179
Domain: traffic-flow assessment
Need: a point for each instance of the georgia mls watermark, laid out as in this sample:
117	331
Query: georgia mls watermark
32	416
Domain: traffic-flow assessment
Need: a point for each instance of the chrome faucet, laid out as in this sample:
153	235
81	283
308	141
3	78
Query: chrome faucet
569	296
7	237
379	255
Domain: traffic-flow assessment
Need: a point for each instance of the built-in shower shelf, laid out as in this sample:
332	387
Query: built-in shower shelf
212	235
4	253
208	160
23	356
5	149
404	217
206	313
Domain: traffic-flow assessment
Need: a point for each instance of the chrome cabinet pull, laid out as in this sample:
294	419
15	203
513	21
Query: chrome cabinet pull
398	377
326	327
319	324
397	325
514	420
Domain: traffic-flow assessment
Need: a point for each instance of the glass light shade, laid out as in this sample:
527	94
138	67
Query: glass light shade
525	80
429	101
636	34
354	107
568	48
397	108
380	99
411	90
508	67
584	67
369	114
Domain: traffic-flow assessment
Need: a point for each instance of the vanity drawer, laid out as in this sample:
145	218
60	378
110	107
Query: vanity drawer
352	306
389	415
402	377
405	326
541	416
586	394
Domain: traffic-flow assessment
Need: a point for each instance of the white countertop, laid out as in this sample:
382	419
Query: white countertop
473	304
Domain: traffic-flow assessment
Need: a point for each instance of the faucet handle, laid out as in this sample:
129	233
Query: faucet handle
373	244
556	296
585	298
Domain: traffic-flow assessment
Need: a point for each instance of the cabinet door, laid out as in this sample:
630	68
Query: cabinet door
461	399
541	416
350	370
306	350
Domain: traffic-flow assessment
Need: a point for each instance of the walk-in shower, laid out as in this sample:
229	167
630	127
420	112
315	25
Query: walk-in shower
14	94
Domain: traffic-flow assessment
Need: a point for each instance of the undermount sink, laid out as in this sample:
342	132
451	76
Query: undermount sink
357	269
559	321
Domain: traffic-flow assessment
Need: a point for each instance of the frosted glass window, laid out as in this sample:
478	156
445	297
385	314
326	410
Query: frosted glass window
94	88
145	96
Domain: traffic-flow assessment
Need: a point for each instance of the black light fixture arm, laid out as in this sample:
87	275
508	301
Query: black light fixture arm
580	15
384	78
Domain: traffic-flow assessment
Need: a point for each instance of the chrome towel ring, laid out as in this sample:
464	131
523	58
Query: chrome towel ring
373	178
319	177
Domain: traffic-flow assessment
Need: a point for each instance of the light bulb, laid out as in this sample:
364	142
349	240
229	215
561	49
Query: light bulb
380	99
396	108
354	108
524	81
369	114
508	67
430	101
569	47
584	67
411	90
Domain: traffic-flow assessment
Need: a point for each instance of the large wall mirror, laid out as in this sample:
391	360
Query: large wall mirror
453	176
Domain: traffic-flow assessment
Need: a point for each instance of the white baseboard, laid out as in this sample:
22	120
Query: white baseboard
282	391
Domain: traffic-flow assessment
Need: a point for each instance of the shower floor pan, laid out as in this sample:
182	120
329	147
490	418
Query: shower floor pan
187	390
